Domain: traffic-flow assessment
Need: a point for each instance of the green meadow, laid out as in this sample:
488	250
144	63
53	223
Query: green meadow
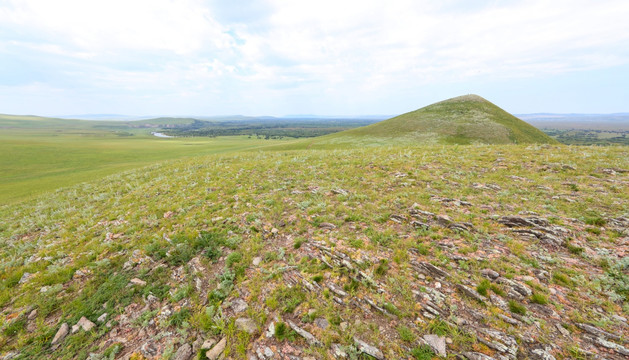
39	155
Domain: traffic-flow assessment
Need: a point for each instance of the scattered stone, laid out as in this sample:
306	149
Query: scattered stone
217	350
136	281
542	354
208	344
61	334
490	274
477	356
562	330
322	323
168	214
32	315
303	333
102	318
183	353
270	331
26	277
149	349
339	192
437	344
247	325
597	332
86	324
256	261
338	351
610	345
518	221
239	305
430	269
368	349
327	226
471	293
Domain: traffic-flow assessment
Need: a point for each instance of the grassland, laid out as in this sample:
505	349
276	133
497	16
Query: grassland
43	154
462	120
316	221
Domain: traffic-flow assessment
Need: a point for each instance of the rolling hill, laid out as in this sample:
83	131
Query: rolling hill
468	119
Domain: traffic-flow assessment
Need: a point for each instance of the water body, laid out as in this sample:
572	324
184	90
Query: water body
158	134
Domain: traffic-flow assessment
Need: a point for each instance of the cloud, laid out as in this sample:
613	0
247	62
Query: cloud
274	53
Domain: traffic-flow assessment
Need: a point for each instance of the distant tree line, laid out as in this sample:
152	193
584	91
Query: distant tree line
267	129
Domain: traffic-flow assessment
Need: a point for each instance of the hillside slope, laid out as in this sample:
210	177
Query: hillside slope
468	119
495	252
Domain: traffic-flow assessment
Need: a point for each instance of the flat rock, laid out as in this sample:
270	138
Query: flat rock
437	343
247	325
61	334
368	349
303	333
239	305
471	293
86	324
322	323
477	356
136	281
208	344
542	354
217	350
183	353
256	261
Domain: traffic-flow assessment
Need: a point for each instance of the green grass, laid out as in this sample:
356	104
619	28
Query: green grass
221	209
462	120
41	154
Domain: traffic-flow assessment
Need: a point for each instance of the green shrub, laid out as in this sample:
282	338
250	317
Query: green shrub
422	352
483	287
539	298
405	333
233	258
517	308
382	267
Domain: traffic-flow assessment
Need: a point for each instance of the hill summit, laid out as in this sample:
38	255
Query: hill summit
465	119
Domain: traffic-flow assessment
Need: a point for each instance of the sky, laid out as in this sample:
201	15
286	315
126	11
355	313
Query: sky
324	57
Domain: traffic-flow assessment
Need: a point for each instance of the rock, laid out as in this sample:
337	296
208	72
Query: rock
471	293
246	325
256	261
102	318
477	356
518	221
217	350
271	330
542	354
339	192
490	274
368	349
86	324
597	332
25	277
322	323
338	351
32	315
303	333
208	344
437	344
239	305
183	353
75	329
61	334
610	345
148	349
136	281
327	226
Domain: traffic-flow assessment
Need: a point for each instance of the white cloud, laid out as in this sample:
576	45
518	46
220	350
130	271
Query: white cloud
302	49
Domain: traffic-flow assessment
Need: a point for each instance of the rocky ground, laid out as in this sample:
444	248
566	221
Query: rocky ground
488	252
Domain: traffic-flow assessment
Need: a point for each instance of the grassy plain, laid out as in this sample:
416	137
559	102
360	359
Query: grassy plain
44	157
189	230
